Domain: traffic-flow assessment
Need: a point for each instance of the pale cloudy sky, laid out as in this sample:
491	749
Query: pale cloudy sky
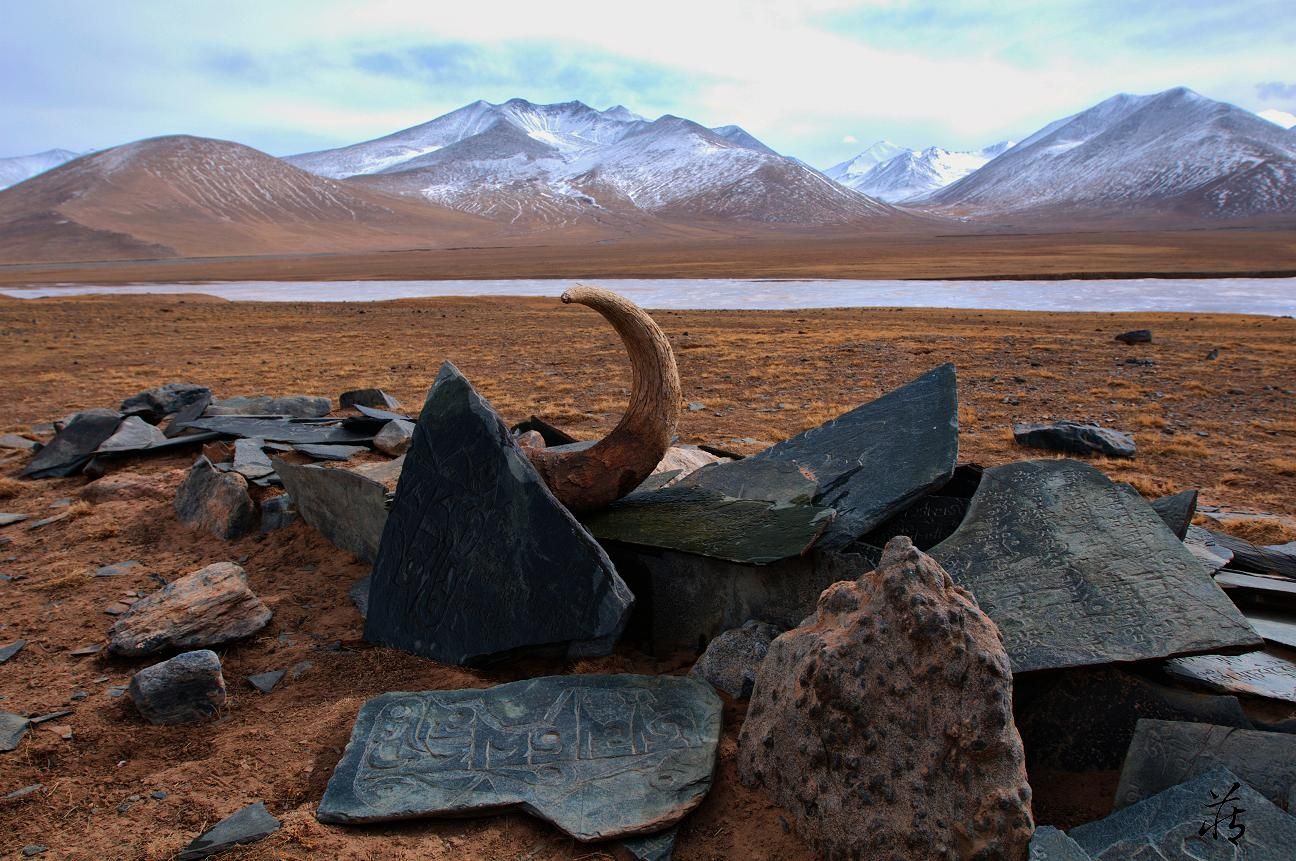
819	79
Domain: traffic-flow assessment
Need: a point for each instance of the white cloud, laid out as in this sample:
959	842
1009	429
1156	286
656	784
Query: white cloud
850	139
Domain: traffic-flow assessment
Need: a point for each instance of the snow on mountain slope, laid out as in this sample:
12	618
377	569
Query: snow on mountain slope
17	168
914	174
861	164
194	195
1175	152
1281	118
564	163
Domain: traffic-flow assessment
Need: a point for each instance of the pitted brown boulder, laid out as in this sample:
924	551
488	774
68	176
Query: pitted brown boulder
885	725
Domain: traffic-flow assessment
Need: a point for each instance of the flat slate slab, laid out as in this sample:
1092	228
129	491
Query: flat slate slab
73	447
1164	754
1257	674
330	452
867	464
346	507
247	825
698	520
1077	571
1253	557
1169	825
1074	438
1274	625
282	430
1049	844
599	756
478	558
12	729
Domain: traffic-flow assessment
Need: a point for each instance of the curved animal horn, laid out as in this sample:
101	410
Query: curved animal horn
616	465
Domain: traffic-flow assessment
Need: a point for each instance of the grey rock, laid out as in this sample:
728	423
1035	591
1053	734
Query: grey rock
282	430
648	847
133	434
25	791
703	521
394	438
732	659
215	501
294	406
1257	588
869	463
158	795
154	405
346	507
277	512
208	607
10	518
248	825
1075	571
12	728
1177	511
375	398
250	460
1177	824
1049	844
477	557
331	452
184	689
7	652
1254	557
1075	438
379	415
33	849
1257	674
46	521
1206	550
1138	336
299	669
21	443
1275	626
266	682
1164	754
73	446
695	406
116	569
599	756
179	424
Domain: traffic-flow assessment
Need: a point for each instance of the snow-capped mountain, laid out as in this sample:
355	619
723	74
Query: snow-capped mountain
565	163
1172	152
847	171
1281	118
17	168
915	173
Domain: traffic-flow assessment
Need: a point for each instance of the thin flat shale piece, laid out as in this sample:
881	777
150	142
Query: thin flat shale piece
870	462
74	446
1166	753
599	756
1258	674
1049	844
282	430
1076	571
478	558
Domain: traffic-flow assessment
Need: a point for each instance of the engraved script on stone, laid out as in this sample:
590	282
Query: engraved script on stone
1076	571
1166	753
1259	674
599	756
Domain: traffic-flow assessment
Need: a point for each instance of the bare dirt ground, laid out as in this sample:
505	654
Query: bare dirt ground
1226	425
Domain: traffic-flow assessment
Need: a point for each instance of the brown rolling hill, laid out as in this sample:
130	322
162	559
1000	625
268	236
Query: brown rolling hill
184	196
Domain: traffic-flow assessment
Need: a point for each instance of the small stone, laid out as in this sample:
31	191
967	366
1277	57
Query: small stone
394	438
158	795
248	825
8	518
39	524
732	659
265	682
1075	438
330	452
12	728
696	406
25	791
375	398
7	652
123	807
21	443
78	696
250	459
116	691
33	850
153	405
85	651
184	689
117	569
1138	336
216	502
346	505
207	608
277	512
45	718
117	609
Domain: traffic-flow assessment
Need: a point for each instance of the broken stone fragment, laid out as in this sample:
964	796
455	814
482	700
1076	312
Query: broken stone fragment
1074	438
266	682
184	689
250	459
344	505
394	438
294	406
375	398
732	659
248	825
132	434
884	727
277	512
330	452
215	501
1177	511
153	405
207	608
1049	844
12	729
599	756
73	446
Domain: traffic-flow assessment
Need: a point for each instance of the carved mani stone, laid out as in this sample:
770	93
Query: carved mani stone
478	558
867	464
1259	674
1077	571
884	726
1177	823
599	756
1167	753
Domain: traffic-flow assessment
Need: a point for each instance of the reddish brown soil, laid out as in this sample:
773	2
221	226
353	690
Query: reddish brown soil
526	356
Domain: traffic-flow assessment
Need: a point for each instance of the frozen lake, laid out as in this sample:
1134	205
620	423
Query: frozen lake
1268	296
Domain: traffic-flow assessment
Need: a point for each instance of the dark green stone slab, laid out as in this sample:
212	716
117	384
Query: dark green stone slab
599	756
73	447
701	521
282	430
478	558
1049	844
347	508
1077	571
868	464
1169	825
248	825
1164	754
1177	511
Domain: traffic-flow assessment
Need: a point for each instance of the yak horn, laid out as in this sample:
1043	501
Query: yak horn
617	464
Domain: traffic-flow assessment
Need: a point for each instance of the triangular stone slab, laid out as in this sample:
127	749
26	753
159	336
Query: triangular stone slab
1077	571
868	464
478	558
73	447
599	756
